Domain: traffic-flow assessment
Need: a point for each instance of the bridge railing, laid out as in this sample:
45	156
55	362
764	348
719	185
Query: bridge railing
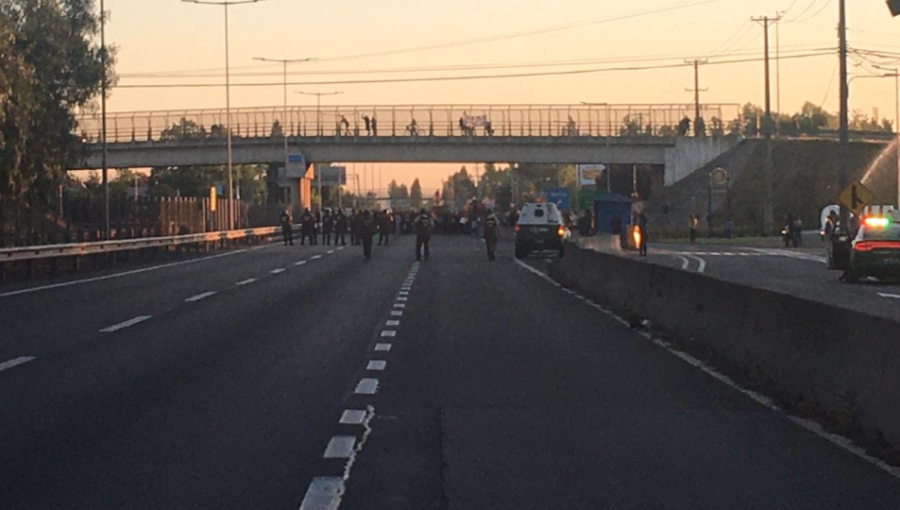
404	121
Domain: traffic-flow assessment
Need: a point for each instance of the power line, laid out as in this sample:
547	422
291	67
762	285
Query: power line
824	52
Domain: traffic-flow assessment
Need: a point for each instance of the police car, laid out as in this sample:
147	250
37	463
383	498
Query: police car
875	250
540	227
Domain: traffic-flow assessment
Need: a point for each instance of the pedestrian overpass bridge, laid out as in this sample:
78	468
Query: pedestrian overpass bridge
609	134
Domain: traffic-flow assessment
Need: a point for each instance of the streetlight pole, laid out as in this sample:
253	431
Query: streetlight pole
284	118
103	89
226	4
319	106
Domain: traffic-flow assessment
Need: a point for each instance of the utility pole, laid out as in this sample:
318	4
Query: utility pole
103	89
844	151
697	90
769	208
778	61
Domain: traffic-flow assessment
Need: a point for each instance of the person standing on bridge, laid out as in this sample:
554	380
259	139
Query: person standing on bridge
307	228
367	227
327	228
491	233
287	229
424	228
374	126
368	123
340	227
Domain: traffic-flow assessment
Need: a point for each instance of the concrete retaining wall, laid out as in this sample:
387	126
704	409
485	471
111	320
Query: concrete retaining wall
810	351
689	154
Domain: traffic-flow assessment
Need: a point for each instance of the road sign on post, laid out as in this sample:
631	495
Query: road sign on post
558	196
212	198
856	197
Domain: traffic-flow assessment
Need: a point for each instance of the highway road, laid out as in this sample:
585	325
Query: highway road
799	272
304	377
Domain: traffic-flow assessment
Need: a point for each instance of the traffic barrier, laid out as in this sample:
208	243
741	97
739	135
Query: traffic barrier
834	359
30	256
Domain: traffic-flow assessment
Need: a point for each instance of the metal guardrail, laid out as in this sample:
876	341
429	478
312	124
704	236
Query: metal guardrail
80	249
401	120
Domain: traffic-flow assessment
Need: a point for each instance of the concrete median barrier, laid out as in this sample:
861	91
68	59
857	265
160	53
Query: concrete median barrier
838	361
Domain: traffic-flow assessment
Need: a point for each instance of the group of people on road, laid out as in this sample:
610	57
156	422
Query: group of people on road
792	231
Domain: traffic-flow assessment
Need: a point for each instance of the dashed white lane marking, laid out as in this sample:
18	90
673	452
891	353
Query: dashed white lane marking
316	257
367	386
889	296
388	333
353	417
198	297
330	252
376	365
402	298
382	347
685	263
324	493
126	324
404	293
397	313
277	271
248	281
399	305
21	360
392	323
817	429
341	248
340	447
300	263
119	275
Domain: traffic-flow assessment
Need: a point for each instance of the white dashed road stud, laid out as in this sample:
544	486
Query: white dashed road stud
382	347
392	323
388	333
399	305
324	493
404	292
353	417
376	365
397	313
367	386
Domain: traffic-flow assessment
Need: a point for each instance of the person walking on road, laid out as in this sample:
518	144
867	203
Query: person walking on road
645	234
354	227
367	227
424	228
307	228
287	228
384	228
327	227
693	223
340	228
491	233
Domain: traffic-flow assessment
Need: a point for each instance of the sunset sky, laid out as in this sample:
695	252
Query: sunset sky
170	42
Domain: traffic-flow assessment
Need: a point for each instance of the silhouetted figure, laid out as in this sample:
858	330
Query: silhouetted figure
374	126
287	229
384	228
327	228
367	229
491	233
684	127
368	123
424	228
307	228
693	223
340	228
643	224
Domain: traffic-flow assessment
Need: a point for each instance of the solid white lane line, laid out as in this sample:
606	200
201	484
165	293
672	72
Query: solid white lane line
248	281
376	365
340	447
382	347
397	313
367	386
300	263
889	296
118	275
388	333
277	271
399	305
126	324
316	257
198	297
392	323
21	360
353	417
324	493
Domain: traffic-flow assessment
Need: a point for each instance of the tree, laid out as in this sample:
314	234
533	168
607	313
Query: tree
751	119
51	65
415	195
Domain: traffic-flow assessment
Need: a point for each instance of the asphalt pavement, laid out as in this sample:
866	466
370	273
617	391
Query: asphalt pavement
289	377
